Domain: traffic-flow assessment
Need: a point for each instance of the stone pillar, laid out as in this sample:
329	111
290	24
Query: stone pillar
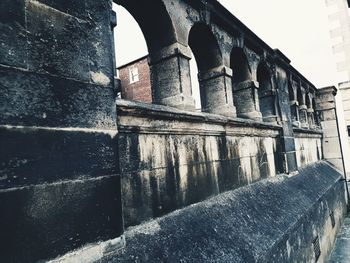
246	100
170	77
216	91
325	103
303	110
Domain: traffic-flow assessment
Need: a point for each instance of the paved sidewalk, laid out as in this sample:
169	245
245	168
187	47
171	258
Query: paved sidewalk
341	251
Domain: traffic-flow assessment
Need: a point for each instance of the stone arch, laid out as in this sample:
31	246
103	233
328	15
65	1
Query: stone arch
204	47
213	76
168	59
154	21
239	65
266	93
245	93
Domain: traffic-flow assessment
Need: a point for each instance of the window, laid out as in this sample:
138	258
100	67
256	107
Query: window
134	75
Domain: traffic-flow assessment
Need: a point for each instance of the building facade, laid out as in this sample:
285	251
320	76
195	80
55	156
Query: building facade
135	80
340	34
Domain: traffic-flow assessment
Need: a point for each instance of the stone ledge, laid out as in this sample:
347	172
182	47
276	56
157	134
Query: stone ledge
131	108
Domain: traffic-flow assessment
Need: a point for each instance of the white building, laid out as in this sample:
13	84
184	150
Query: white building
339	19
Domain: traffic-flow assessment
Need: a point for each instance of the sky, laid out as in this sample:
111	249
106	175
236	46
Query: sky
299	28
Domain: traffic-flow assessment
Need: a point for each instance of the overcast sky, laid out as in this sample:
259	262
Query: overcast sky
299	28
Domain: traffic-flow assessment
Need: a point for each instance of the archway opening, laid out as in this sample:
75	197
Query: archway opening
195	83
239	65
316	113
142	30
131	55
300	97
207	56
291	91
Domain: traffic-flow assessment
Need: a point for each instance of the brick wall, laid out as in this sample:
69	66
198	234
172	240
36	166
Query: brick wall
139	90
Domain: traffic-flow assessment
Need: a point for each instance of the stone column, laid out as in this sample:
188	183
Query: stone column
246	100
170	77
325	103
303	110
216	91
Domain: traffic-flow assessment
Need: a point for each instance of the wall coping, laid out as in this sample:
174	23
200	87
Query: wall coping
307	131
132	108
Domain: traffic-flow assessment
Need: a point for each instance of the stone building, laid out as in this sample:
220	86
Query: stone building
135	80
344	89
250	178
341	33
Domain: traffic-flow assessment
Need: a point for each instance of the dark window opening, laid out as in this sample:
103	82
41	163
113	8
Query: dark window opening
332	219
317	249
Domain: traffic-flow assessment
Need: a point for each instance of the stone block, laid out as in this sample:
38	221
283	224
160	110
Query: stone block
57	42
31	156
43	221
76	8
13	36
331	148
41	100
329	128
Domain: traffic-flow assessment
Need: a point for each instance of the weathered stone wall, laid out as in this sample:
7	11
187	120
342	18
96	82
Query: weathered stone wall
308	147
170	159
331	142
274	220
59	182
63	147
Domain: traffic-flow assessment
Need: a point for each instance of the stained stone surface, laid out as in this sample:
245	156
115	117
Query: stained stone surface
341	251
274	220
